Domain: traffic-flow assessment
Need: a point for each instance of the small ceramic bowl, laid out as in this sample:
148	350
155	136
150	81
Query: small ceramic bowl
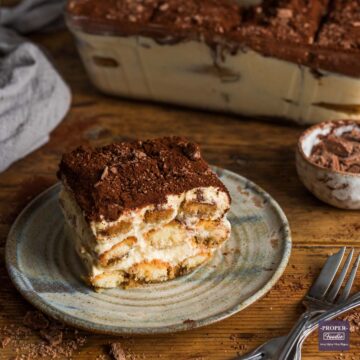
337	188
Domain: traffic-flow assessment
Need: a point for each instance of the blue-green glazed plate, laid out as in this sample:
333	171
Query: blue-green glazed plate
45	269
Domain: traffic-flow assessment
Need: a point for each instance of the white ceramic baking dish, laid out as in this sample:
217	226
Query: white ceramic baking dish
190	73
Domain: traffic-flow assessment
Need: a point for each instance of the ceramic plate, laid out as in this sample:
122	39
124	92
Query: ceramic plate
45	269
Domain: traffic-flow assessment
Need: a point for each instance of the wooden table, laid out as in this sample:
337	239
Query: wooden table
263	152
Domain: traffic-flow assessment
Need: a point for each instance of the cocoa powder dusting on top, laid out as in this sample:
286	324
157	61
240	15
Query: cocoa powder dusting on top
117	177
321	34
290	20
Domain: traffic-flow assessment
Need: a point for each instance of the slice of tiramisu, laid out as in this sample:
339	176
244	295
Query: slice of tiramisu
142	211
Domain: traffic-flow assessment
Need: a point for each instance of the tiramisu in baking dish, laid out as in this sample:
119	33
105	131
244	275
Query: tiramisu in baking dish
142	211
292	59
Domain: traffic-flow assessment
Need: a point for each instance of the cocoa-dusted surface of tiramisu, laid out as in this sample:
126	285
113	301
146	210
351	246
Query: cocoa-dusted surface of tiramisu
106	181
209	16
338	152
290	20
313	33
342	28
183	17
338	44
285	29
294	21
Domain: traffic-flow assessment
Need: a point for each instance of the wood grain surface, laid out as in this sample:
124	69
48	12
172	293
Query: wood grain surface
263	152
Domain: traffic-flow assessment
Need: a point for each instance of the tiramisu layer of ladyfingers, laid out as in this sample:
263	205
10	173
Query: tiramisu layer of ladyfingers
142	211
288	59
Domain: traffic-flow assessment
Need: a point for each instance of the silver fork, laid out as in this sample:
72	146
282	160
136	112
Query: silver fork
341	300
320	297
332	313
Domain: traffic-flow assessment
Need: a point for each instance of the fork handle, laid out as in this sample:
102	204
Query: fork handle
288	343
296	332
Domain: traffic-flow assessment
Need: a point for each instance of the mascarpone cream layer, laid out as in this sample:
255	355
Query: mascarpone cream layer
92	235
90	245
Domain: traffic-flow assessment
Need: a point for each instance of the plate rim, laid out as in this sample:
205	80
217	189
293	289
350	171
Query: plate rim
84	324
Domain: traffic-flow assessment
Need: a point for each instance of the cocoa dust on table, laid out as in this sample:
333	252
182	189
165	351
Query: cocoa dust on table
41	337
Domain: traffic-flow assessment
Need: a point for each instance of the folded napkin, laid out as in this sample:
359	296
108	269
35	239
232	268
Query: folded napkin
33	97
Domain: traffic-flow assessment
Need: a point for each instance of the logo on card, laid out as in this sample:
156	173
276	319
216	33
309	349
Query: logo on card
334	335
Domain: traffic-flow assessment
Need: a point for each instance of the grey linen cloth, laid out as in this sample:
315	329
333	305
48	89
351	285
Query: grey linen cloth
33	97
